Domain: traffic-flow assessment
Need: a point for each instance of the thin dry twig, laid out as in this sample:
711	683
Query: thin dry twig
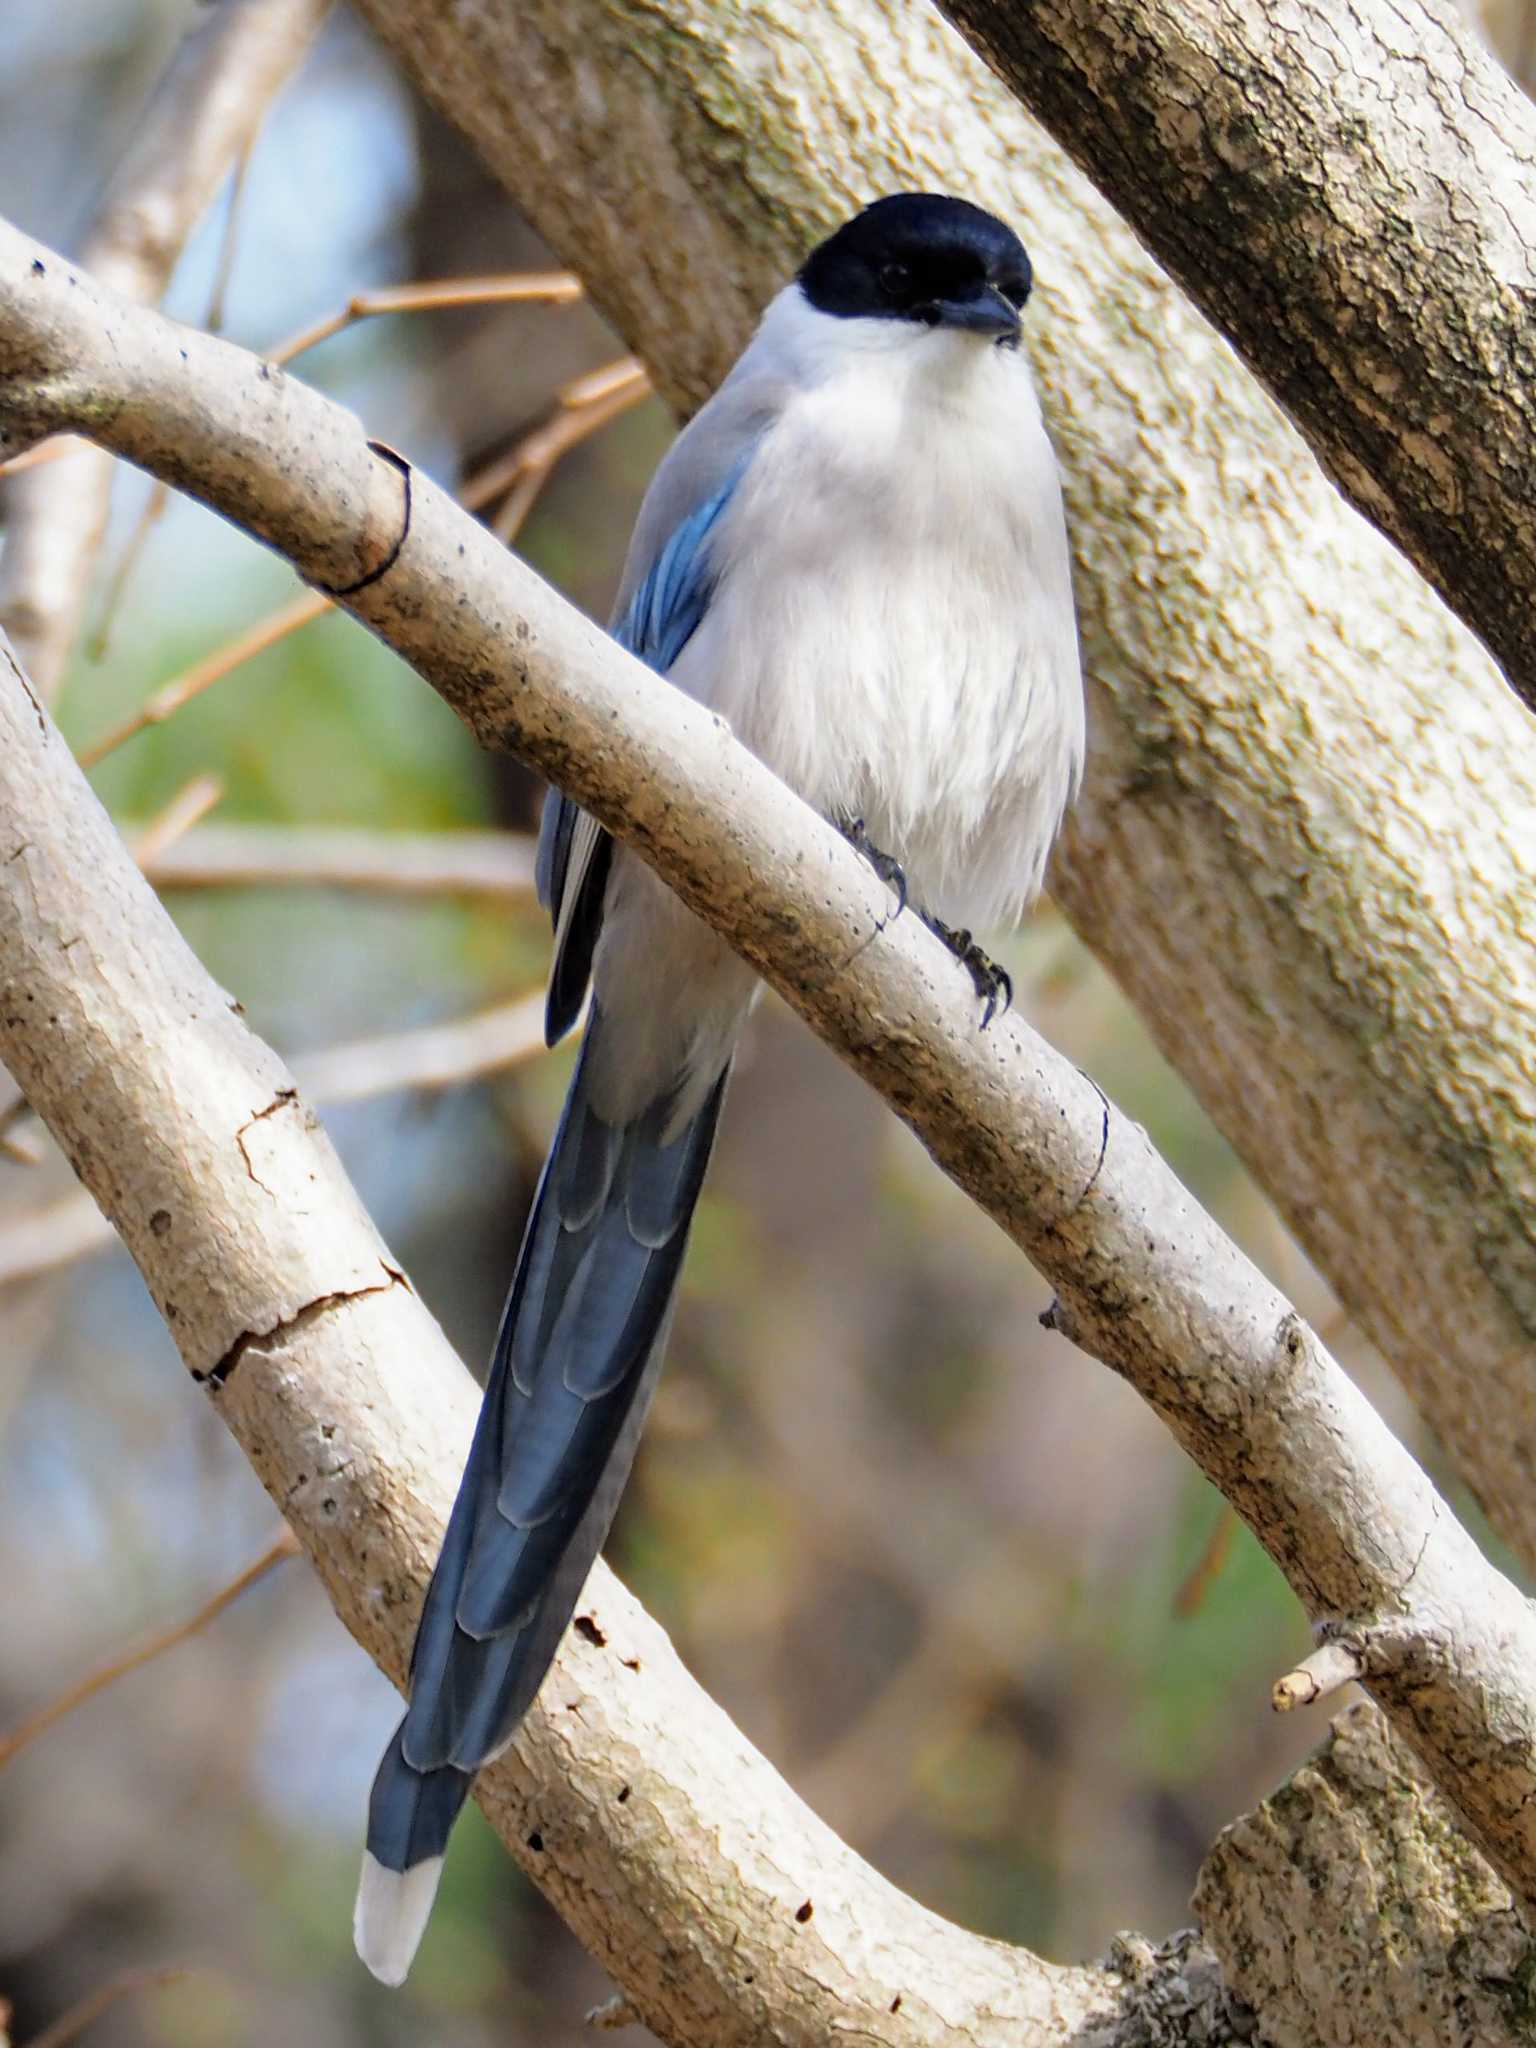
45	451
191	682
229	241
435	1056
583	406
187	808
69	2025
127	561
488	864
284	1544
549	288
1208	1566
23	1147
159	497
614	2012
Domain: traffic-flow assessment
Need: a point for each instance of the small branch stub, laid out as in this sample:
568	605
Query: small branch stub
612	2014
1330	1666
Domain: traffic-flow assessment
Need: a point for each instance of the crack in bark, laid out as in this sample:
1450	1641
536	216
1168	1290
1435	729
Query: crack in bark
282	1100
25	681
290	1326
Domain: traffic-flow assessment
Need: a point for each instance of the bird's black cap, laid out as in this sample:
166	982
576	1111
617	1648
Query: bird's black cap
925	257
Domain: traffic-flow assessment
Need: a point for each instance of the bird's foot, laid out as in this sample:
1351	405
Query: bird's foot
885	865
992	983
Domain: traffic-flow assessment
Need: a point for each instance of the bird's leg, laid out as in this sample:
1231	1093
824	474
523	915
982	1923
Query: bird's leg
993	984
885	865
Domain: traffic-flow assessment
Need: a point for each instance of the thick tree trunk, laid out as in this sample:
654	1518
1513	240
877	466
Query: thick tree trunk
1304	847
1348	192
1347	1912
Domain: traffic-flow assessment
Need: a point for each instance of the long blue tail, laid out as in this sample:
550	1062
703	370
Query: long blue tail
575	1364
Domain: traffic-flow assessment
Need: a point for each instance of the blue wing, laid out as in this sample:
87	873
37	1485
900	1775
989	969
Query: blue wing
664	613
575	853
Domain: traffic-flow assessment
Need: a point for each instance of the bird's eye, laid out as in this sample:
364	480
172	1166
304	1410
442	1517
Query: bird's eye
895	278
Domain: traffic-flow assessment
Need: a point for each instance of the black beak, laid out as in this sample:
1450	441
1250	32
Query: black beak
985	312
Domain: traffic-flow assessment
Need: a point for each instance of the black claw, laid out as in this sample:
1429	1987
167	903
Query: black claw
990	981
885	865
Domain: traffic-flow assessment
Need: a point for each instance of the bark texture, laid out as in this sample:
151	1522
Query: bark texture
1349	1913
203	116
1146	1281
1304	846
1348	193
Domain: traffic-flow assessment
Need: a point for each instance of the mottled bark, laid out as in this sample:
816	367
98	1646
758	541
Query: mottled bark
1348	193
1146	1281
1304	847
1349	1913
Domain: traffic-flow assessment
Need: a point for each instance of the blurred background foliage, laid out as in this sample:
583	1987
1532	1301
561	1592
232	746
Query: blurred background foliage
928	1557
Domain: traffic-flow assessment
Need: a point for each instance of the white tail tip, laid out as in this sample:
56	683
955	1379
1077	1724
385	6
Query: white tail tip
391	1914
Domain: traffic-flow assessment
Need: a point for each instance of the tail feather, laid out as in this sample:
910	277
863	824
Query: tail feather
410	1812
604	1298
575	1364
410	1816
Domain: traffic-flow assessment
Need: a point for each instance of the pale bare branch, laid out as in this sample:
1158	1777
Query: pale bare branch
433	1056
1145	1280
498	865
52	1235
1346	1912
628	1795
158	837
205	110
